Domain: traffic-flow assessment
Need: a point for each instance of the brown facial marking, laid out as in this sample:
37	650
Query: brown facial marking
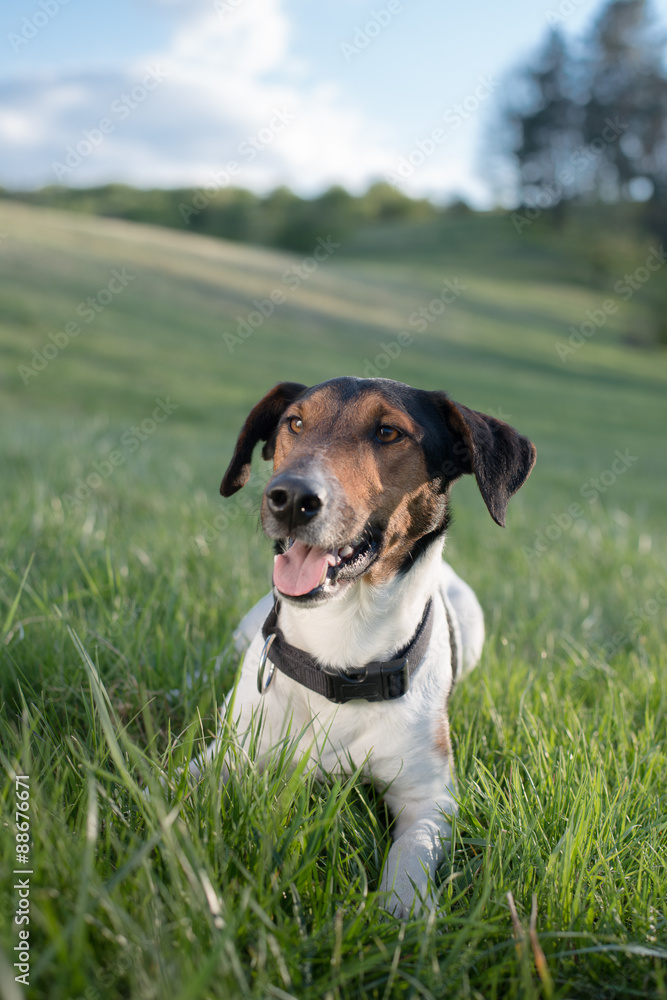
387	485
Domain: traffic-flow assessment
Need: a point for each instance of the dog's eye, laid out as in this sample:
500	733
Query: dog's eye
295	424
387	434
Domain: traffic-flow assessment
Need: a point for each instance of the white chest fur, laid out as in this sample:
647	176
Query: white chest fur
402	746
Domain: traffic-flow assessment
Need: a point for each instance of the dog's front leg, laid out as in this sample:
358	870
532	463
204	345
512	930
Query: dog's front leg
422	837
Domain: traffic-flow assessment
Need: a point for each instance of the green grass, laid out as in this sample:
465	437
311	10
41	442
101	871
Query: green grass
117	612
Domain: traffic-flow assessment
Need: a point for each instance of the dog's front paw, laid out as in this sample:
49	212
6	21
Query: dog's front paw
402	898
406	879
395	907
396	900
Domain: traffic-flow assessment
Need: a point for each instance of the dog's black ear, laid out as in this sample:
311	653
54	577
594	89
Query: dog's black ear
259	426
500	458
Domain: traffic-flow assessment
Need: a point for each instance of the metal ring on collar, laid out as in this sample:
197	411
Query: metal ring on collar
262	685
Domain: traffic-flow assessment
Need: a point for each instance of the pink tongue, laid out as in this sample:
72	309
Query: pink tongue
300	569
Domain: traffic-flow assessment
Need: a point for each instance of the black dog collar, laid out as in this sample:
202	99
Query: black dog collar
376	681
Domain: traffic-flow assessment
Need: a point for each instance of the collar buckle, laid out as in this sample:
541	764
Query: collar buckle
378	682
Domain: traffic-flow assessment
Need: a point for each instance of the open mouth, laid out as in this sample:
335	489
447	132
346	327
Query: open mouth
307	571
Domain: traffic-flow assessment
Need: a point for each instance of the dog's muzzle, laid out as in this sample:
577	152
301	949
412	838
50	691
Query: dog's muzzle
321	547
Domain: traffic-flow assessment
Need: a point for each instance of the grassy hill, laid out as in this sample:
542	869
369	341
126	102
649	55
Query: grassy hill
559	735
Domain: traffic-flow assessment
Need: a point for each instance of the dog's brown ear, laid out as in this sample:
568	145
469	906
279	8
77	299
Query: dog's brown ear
500	458
259	426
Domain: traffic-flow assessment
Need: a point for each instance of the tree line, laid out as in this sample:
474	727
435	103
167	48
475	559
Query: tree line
586	118
280	218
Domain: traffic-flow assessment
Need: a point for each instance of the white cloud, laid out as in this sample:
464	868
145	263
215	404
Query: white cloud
15	128
249	41
227	75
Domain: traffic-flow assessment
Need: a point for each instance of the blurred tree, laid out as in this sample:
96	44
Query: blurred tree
588	120
229	212
627	88
545	125
280	218
333	214
383	202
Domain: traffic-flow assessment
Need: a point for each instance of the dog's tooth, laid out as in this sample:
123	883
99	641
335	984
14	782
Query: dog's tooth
346	551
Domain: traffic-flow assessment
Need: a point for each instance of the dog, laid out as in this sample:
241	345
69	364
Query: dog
357	648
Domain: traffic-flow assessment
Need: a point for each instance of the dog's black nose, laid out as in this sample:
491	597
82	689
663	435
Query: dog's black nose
294	500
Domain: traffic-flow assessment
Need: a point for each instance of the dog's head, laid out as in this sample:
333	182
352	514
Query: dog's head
362	471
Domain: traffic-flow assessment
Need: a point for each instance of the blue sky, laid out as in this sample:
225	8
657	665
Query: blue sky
263	92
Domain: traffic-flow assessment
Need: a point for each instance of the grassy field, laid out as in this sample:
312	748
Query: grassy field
123	575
